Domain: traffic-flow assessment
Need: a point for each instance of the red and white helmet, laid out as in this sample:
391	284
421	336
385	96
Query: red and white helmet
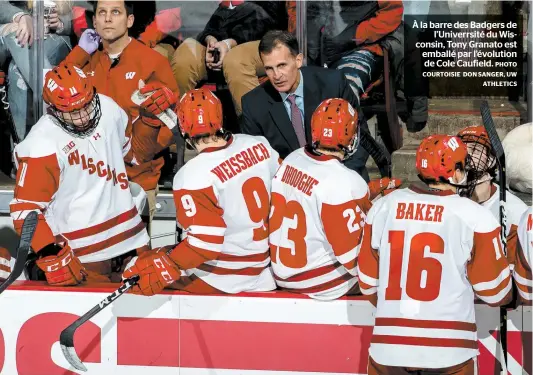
199	113
480	150
334	126
72	99
438	156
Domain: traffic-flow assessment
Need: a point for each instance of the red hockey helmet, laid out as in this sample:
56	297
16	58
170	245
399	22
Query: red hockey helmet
72	99
199	113
334	126
438	156
480	150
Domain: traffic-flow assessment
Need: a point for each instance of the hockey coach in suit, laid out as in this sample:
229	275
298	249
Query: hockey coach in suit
281	108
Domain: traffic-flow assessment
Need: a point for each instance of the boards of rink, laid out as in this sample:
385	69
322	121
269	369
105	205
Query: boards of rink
177	333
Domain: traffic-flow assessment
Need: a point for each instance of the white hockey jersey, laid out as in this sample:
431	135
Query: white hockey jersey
79	187
222	199
514	208
426	253
316	223
522	270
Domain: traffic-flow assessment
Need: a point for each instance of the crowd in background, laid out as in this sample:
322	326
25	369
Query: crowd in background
350	36
186	33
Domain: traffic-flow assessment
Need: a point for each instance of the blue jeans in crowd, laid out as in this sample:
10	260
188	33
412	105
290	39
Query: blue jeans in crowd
359	68
20	74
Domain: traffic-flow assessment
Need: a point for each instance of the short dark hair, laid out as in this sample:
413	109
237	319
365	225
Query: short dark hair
220	134
127	4
274	38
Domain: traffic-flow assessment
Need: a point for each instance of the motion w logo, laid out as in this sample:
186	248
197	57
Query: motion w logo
130	75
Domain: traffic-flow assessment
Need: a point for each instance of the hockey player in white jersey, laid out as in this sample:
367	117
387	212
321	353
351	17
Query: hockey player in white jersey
486	192
427	252
71	172
318	209
524	257
222	199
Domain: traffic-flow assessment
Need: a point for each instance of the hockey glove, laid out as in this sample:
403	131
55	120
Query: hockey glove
5	263
161	98
383	186
2	78
156	270
61	267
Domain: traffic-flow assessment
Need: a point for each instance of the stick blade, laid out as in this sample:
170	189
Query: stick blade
66	340
72	357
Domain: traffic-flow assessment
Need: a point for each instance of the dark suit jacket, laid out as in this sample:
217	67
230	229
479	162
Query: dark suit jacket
264	113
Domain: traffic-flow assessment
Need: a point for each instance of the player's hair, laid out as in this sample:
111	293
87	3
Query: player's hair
274	38
328	149
220	134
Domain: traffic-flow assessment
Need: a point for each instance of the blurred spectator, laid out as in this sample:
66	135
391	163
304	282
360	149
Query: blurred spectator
351	36
417	7
116	68
347	36
234	31
16	39
291	13
281	109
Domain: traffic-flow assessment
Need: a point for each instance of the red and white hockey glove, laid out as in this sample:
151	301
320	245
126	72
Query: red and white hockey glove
2	78
383	186
161	99
156	270
63	268
5	263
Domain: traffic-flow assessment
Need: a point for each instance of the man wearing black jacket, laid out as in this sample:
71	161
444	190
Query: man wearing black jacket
229	43
281	108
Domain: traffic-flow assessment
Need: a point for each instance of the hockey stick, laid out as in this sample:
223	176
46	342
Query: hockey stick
66	339
26	236
380	155
497	146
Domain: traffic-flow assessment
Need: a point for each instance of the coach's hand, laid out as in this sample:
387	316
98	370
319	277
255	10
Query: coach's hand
156	270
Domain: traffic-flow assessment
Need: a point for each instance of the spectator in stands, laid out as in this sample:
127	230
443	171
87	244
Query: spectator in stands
234	30
281	108
16	39
116	70
350	33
